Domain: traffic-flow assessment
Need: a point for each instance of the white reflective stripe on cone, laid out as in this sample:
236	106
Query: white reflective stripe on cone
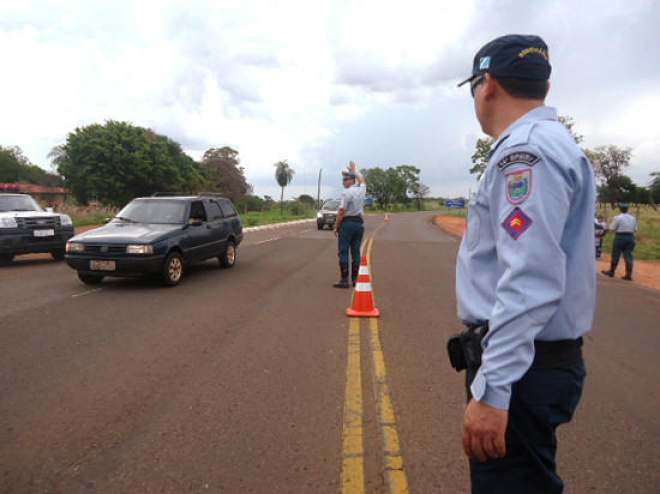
363	269
363	287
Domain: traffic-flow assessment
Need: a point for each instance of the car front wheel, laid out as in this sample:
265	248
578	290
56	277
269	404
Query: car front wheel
172	269
228	257
90	279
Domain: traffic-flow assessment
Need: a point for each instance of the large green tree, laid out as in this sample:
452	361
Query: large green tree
609	163
224	173
394	185
115	162
283	174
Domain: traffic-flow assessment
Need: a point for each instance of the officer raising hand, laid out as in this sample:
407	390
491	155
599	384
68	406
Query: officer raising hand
349	225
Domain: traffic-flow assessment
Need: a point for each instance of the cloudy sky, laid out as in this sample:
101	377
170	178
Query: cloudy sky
319	82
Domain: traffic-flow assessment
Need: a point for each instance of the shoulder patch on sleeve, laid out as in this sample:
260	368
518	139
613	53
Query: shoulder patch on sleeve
524	157
519	185
517	223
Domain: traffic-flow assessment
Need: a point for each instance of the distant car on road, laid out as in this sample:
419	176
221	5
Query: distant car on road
327	215
26	228
158	236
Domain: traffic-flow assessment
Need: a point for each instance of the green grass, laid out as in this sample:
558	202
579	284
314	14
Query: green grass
257	218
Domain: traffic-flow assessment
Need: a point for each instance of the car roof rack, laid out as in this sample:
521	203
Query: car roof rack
211	194
168	194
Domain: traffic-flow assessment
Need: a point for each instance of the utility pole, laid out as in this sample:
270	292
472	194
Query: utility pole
318	192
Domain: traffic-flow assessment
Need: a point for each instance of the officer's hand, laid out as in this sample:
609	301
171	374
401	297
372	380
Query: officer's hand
336	232
484	429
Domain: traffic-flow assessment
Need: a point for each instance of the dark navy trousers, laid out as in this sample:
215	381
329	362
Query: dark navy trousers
350	238
541	401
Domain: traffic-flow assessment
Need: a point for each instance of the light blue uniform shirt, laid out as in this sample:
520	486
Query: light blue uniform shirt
352	200
526	260
624	223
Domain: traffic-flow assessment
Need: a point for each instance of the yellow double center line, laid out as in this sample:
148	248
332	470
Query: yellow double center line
353	453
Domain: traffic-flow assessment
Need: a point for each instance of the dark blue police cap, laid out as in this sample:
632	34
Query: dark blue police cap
514	55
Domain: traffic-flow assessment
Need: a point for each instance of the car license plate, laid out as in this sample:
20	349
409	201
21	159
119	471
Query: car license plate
102	265
44	233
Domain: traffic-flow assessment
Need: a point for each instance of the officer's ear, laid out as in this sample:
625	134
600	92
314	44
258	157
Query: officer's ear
491	87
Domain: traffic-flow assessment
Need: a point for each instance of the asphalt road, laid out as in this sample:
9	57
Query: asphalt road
253	379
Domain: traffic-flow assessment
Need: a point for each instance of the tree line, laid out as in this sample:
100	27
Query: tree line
609	163
114	162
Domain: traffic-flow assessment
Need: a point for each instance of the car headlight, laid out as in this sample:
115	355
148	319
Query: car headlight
75	247
8	223
139	249
319	214
65	220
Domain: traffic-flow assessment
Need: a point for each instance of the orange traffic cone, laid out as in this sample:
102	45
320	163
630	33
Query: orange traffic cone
387	218
363	299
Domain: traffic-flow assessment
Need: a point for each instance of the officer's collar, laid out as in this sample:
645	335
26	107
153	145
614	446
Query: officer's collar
534	115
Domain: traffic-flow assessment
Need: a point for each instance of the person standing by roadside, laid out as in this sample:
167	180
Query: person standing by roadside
349	226
525	276
600	226
624	226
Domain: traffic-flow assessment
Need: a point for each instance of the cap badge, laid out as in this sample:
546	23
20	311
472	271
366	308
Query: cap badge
484	63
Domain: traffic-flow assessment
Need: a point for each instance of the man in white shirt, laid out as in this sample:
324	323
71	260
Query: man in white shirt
625	226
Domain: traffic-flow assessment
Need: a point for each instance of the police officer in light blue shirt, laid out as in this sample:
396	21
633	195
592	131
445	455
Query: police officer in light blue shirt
349	226
525	273
624	226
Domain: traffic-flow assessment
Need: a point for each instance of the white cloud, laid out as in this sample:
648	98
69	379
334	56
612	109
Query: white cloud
318	83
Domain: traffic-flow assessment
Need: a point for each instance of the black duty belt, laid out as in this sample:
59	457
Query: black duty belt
356	219
556	353
625	234
547	354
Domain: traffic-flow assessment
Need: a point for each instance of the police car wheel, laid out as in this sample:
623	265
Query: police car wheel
6	258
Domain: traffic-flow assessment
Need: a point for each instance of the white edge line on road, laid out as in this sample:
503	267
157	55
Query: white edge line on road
87	292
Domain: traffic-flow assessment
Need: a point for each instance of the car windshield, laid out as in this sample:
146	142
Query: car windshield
153	211
331	205
18	203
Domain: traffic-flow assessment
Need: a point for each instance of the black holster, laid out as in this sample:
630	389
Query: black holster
465	349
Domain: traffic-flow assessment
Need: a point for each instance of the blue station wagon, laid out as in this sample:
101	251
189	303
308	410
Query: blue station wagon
158	236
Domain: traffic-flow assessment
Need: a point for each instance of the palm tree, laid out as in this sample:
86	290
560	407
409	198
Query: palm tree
57	156
283	175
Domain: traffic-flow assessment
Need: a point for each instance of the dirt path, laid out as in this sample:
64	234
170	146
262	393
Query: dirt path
646	273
